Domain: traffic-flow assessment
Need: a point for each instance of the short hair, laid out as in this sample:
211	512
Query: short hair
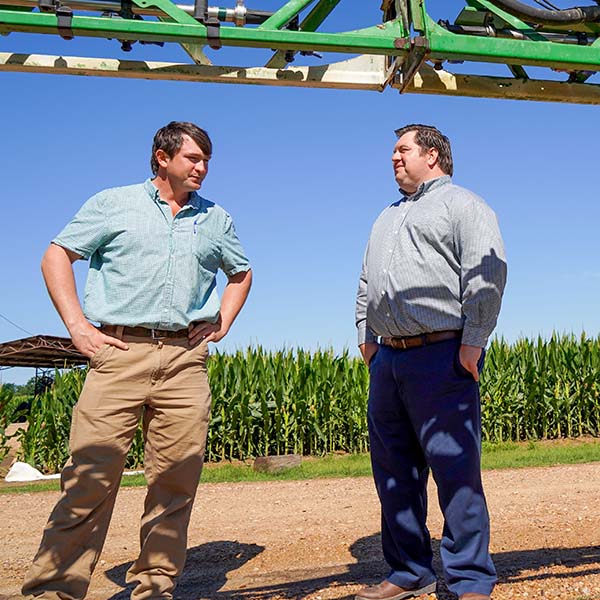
428	137
170	139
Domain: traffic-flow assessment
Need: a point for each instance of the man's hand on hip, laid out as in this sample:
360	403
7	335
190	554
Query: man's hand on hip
368	351
88	339
207	332
468	357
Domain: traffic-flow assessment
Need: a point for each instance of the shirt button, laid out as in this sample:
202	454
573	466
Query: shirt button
387	314
383	293
395	233
385	270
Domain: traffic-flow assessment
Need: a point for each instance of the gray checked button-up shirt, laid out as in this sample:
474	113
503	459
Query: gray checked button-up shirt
435	261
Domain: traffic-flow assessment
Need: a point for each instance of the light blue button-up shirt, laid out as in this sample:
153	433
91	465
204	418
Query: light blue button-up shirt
148	267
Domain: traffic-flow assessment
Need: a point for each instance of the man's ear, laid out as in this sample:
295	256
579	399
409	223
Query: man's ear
162	158
432	157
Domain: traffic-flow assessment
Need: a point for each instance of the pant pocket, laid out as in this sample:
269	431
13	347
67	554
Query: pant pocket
459	369
100	356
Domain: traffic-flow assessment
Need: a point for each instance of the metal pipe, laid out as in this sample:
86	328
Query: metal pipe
85	5
240	15
253	17
569	16
490	31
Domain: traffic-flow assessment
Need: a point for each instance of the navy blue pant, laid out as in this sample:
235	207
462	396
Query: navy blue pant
424	414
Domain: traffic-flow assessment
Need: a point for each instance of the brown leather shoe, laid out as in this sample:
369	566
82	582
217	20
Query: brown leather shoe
474	596
386	590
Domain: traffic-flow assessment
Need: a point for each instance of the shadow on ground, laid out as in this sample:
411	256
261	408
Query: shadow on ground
208	565
205	571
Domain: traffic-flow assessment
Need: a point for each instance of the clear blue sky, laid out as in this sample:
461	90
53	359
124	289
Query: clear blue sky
304	174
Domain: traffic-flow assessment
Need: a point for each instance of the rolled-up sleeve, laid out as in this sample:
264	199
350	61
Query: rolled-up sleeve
233	257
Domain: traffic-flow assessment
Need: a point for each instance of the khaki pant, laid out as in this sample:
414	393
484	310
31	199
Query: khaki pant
167	381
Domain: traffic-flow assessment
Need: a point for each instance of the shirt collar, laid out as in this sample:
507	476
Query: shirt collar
194	202
152	190
426	186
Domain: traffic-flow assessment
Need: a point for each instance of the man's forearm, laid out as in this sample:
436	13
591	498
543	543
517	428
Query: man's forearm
234	296
57	268
58	274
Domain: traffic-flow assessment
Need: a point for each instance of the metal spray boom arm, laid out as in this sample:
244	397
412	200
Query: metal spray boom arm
408	51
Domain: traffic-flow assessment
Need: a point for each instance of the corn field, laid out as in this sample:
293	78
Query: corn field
541	389
286	402
267	403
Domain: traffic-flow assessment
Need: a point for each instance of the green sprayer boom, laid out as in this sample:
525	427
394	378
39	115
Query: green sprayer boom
549	54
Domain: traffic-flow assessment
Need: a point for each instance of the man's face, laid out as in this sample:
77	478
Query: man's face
412	166
187	168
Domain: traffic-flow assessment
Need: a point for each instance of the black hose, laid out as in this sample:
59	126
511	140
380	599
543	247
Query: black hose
200	9
257	17
569	16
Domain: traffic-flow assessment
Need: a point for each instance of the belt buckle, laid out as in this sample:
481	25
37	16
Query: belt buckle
154	336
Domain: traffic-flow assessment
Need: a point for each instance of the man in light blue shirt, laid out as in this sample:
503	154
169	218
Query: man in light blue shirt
155	249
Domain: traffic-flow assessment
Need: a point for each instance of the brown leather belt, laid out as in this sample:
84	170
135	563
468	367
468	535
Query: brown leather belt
414	341
155	334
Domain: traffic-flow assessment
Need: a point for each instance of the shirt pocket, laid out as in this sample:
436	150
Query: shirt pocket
207	252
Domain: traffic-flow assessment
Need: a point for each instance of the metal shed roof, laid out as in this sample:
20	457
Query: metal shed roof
43	351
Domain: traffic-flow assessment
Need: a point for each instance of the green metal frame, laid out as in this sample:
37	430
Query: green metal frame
408	51
185	29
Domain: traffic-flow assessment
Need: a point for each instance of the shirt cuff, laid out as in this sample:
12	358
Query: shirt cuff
238	269
85	254
475	336
365	335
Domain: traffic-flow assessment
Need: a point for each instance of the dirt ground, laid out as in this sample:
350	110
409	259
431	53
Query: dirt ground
319	540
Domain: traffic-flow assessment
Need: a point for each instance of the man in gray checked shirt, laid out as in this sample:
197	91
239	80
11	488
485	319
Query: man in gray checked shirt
428	299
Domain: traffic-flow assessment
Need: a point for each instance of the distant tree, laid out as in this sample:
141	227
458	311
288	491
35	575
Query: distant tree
27	389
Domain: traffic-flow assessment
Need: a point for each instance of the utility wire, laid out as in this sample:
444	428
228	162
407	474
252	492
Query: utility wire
15	325
546	4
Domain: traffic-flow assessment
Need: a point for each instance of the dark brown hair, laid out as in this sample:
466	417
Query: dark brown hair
428	137
170	139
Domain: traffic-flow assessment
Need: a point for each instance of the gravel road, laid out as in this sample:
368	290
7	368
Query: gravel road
318	539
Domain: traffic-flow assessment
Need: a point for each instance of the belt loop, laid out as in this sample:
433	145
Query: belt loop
119	332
